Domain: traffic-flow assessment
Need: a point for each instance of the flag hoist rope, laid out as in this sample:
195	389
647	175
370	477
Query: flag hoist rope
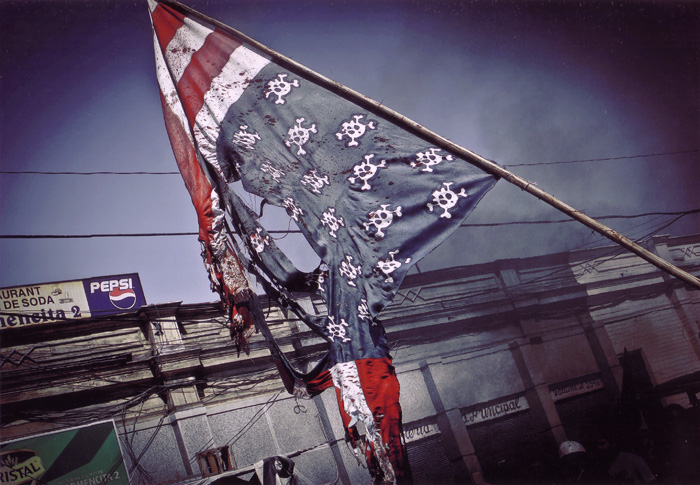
446	144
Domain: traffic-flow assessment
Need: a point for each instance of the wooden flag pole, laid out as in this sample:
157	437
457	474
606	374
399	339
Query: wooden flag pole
428	135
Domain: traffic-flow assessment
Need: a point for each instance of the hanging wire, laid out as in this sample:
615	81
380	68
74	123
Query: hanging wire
296	231
43	172
560	221
627	157
259	414
606	257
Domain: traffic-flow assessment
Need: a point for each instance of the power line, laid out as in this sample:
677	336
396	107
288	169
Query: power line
88	236
628	157
602	159
296	231
41	172
559	221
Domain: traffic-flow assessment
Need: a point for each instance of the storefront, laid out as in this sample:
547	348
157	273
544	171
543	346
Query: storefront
505	438
426	453
584	409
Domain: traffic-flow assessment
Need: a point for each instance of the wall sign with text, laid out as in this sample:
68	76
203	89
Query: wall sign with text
66	300
87	454
414	432
576	389
494	411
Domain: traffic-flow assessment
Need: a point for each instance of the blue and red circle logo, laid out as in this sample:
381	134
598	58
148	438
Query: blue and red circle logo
122	299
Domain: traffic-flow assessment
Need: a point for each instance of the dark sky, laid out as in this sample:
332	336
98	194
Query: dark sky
516	82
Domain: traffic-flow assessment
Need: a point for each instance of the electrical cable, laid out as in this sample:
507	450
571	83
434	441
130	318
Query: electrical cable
88	236
296	231
614	253
627	157
601	159
256	417
42	172
559	221
606	256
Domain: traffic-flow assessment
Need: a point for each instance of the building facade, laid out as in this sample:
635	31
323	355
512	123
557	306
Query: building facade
498	363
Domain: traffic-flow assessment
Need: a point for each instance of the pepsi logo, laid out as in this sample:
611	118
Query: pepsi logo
122	299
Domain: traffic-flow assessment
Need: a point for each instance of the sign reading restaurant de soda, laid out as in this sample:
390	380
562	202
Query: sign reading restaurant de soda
67	300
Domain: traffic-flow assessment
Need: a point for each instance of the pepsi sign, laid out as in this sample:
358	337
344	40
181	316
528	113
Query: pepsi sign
114	294
59	301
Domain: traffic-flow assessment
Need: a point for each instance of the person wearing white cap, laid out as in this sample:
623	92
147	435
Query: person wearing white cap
574	462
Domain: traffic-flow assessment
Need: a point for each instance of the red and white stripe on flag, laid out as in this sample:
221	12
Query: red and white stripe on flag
202	72
192	65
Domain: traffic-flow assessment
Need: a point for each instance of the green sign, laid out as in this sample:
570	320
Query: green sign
88	455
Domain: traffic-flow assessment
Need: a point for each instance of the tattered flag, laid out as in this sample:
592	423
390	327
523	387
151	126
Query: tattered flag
370	197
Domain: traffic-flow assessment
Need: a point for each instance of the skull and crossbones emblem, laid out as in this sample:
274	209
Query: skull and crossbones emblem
276	173
334	223
446	199
365	171
429	158
291	206
390	265
354	129
337	330
298	135
245	139
314	180
258	241
350	271
280	87
382	218
363	311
